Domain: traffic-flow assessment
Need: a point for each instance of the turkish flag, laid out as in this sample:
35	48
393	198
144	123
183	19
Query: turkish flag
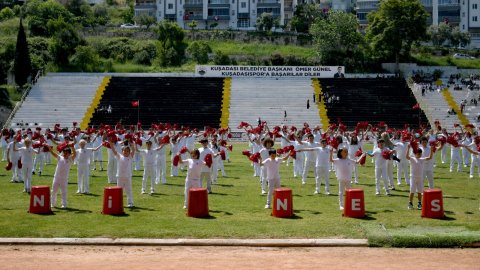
136	103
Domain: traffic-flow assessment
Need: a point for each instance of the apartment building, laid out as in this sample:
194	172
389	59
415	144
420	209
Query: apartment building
235	14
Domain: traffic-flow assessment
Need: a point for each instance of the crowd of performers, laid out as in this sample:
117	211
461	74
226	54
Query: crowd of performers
339	150
27	151
311	150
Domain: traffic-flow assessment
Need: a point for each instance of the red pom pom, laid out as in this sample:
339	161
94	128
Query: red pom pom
208	160
478	147
165	139
230	147
246	153
280	151
222	155
414	145
223	143
229	135
9	166
359	152
293	154
386	154
451	140
183	150
106	144
255	158
176	160
139	142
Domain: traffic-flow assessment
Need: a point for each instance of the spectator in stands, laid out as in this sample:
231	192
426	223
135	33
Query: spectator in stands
109	109
339	73
308	104
285	116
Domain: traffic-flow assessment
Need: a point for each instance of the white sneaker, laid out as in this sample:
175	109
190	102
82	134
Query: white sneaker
130	205
316	192
143	192
327	193
303	182
377	193
471	176
341	207
184	207
264	192
267	206
63	206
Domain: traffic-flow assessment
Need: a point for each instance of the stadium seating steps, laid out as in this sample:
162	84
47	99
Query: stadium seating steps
192	102
373	100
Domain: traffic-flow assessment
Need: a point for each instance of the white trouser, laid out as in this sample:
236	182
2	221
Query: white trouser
173	169
138	160
298	164
97	156
322	172
39	161
183	156
309	164
381	172
466	157
148	171
126	184
263	178
428	173
355	172
214	174
111	171
390	172
16	172
189	184
83	178
4	153
475	161
207	176
455	157
161	173
48	158
27	176
221	167
444	154
272	184
402	167
342	186
62	184
256	169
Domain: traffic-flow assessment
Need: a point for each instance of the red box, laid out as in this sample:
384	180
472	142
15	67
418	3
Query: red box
40	200
282	203
354	203
198	203
113	201
432	203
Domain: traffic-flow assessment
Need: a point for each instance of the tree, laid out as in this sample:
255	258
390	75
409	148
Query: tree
171	50
221	59
100	12
128	14
199	51
265	22
145	20
305	15
85	58
64	42
193	25
6	13
41	12
22	66
395	26
439	34
336	37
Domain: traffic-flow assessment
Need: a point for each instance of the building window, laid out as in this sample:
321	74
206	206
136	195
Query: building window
474	6
180	2
170	6
243	5
233	12
463	14
159	2
233	1
475	19
463	26
159	14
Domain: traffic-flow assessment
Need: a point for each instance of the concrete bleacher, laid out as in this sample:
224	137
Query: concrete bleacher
58	98
471	111
269	98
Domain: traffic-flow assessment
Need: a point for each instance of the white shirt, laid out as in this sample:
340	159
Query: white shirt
343	168
26	154
379	160
272	167
124	166
83	155
401	148
63	169
425	154
148	157
416	167
195	167
323	156
203	152
310	155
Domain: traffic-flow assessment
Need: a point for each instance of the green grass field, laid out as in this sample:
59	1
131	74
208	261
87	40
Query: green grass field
237	210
